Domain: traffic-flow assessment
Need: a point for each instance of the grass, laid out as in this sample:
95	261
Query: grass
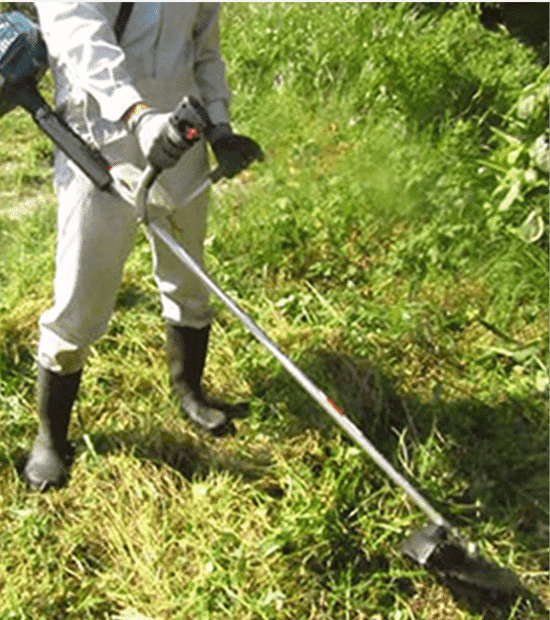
362	248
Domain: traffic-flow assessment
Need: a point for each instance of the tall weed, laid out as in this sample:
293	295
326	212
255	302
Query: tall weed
433	68
518	167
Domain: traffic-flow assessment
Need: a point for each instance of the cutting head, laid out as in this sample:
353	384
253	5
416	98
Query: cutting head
421	544
441	551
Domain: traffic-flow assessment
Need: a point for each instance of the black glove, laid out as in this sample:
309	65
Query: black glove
234	153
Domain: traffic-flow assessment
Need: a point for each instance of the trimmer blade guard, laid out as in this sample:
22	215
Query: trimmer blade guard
421	544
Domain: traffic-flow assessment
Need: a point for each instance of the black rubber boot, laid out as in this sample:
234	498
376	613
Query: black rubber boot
51	452
186	348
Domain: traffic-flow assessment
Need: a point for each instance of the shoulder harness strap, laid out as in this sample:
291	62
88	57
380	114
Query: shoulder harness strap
122	19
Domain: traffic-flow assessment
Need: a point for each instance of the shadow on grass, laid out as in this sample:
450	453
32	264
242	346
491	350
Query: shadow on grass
129	296
501	451
193	459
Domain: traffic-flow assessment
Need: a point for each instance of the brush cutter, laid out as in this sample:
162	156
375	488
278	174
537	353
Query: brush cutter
23	60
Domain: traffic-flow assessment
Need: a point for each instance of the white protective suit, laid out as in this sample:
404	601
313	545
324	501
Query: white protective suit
168	50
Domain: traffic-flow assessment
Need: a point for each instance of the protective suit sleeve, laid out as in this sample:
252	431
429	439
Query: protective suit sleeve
209	67
80	36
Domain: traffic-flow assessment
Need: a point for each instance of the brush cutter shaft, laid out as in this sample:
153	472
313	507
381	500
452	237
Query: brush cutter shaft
90	161
322	399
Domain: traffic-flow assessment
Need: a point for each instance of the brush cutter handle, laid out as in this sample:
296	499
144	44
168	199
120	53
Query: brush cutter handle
149	176
191	119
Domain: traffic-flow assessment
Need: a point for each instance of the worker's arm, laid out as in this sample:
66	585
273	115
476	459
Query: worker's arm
209	66
80	36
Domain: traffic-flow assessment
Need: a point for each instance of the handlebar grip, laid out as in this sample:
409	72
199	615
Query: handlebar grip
191	119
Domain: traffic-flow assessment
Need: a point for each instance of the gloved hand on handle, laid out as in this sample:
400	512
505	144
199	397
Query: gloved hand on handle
233	152
164	137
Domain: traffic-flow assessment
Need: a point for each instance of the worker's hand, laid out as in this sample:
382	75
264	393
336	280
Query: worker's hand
159	141
234	153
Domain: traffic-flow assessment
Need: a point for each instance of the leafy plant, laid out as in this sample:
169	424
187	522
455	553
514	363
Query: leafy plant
519	166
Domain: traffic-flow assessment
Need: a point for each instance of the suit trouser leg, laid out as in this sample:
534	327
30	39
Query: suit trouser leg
95	235
183	297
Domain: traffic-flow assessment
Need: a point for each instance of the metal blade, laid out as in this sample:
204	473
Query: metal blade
421	544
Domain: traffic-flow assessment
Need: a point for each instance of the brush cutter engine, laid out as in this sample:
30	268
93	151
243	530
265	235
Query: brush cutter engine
23	57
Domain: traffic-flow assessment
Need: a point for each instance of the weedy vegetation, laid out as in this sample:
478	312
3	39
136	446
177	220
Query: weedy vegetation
395	245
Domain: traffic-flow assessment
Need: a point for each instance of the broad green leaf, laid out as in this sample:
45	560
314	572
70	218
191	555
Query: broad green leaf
532	228
512	195
512	156
539	153
541	380
530	176
526	106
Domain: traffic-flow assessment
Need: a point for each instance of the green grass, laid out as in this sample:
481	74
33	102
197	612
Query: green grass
362	246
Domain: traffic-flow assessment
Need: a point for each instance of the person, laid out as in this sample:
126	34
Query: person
118	96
